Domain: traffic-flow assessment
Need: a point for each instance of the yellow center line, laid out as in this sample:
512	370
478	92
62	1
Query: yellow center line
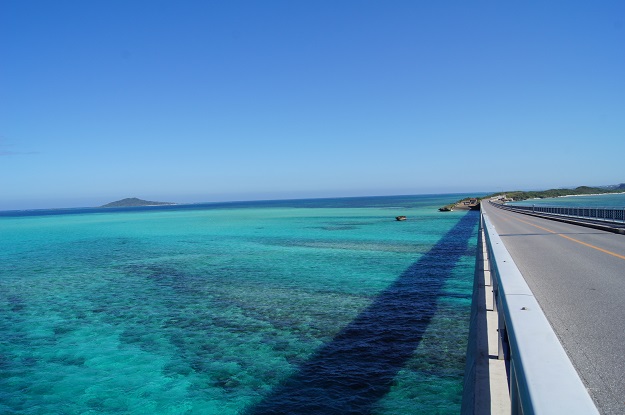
572	239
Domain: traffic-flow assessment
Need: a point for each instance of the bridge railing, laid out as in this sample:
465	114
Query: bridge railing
542	379
604	214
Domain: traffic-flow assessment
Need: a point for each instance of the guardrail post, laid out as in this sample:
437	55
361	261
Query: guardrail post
502	343
494	284
515	402
493	281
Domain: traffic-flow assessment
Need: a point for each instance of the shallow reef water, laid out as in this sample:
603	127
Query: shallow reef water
326	306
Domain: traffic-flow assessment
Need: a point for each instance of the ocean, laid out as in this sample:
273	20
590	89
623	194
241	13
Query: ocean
306	306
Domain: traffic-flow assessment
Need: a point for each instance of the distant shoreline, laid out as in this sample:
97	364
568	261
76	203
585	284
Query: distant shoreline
519	196
590	194
581	195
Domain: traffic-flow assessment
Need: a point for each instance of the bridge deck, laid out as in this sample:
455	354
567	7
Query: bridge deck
578	276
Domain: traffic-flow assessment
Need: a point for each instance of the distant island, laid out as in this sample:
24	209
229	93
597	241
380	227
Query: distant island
134	202
581	190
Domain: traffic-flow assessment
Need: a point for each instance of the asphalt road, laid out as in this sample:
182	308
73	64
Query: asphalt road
577	275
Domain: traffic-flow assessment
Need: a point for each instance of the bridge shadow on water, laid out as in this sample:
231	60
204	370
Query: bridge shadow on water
356	369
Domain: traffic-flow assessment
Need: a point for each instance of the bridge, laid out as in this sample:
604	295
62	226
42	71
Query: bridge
560	296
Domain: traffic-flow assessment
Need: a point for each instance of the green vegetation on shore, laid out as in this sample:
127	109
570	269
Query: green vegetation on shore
134	202
581	190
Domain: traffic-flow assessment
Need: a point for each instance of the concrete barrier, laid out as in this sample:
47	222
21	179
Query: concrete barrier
541	378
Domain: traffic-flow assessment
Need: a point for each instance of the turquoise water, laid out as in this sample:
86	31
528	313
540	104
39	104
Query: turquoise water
607	200
326	306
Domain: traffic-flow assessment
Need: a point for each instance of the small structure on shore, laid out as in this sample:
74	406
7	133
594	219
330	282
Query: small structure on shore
400	218
470	203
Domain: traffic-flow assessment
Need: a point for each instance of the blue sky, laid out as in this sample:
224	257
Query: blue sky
192	101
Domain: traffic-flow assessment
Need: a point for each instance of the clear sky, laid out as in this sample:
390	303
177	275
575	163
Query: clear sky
193	101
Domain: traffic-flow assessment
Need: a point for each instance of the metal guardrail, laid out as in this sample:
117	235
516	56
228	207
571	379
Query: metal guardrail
542	379
604	214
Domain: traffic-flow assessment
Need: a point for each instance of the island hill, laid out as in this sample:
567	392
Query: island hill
473	203
134	202
578	191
